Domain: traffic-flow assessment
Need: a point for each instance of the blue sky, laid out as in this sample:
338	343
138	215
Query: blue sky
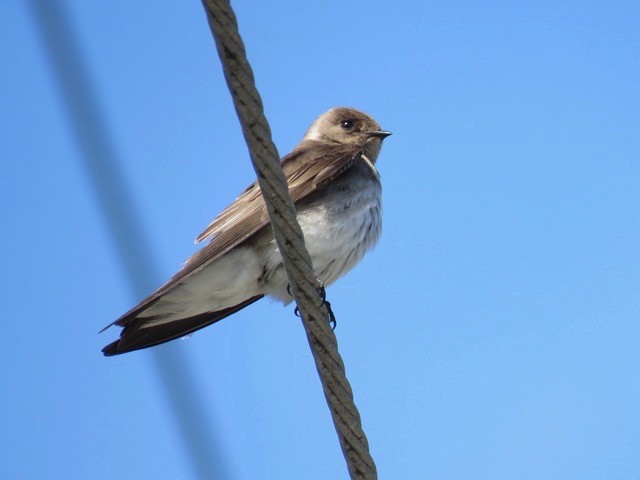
492	334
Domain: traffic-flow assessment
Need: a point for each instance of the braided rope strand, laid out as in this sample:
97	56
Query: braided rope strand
290	240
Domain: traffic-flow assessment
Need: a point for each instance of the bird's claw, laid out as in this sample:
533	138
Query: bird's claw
332	318
323	295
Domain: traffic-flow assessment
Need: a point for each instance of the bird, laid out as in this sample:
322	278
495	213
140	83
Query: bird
336	190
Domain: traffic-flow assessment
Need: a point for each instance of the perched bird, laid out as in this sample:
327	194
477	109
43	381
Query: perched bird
336	189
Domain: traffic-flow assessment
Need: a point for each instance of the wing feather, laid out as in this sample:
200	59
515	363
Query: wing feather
308	168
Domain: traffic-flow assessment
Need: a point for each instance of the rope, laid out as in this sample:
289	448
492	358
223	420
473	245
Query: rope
289	238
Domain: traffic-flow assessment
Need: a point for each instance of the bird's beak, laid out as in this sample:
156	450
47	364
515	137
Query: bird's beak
381	134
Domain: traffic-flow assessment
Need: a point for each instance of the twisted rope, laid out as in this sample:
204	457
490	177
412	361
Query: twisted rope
289	238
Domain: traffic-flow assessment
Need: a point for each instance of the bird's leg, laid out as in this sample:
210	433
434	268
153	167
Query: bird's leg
332	318
323	295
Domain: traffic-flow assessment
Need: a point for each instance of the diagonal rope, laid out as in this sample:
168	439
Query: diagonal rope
289	238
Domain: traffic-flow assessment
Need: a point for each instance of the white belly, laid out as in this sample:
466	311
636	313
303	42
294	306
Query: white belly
339	227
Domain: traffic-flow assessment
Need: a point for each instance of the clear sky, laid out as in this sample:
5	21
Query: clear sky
492	334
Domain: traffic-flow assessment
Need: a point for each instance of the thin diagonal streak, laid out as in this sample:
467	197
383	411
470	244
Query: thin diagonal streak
124	222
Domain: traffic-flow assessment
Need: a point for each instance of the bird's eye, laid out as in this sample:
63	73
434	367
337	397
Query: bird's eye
347	124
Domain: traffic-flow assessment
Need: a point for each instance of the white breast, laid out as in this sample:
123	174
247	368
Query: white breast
339	226
338	233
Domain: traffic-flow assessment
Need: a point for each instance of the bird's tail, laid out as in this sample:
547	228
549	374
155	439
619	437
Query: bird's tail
137	334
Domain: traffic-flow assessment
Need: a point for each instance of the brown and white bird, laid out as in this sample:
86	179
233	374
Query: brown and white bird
336	189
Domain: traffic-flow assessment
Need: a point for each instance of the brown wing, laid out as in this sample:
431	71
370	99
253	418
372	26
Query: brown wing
308	168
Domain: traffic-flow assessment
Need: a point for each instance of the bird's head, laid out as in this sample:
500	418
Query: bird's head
348	126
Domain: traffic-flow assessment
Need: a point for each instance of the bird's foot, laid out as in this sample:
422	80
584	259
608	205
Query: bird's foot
323	295
333	323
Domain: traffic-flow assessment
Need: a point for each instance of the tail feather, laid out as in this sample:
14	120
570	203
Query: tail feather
136	336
